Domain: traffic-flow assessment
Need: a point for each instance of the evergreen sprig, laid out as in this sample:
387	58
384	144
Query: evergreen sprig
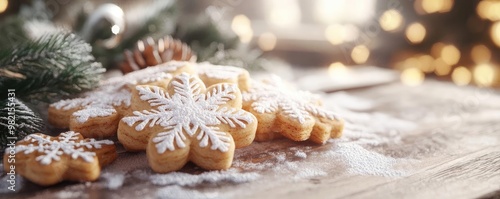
19	119
48	68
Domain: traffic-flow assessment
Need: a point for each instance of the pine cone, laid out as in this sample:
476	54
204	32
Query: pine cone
150	53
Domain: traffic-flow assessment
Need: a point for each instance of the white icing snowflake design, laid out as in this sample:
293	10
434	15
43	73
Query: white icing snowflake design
112	92
52	150
187	112
273	94
219	72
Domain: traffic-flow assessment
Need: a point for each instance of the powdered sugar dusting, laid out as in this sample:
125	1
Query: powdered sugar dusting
232	176
368	129
113	180
177	192
300	154
360	161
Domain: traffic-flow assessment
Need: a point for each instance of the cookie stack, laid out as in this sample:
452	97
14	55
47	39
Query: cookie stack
177	112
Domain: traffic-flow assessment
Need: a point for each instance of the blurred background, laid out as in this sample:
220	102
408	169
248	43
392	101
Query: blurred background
422	39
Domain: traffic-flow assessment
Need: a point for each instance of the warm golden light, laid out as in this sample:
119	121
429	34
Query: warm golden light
411	62
461	76
426	63
3	5
450	54
242	26
495	33
441	67
447	6
338	70
335	34
415	33
480	54
484	75
436	49
267	41
360	54
433	6
412	77
489	10
391	20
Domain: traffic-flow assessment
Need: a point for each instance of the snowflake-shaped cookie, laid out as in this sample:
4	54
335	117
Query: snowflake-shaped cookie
284	111
98	112
213	74
188	122
48	160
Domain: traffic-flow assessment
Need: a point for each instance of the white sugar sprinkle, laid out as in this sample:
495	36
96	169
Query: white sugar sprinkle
360	161
113	180
300	154
177	192
212	177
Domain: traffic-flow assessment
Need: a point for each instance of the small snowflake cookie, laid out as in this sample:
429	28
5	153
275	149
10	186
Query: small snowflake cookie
187	122
213	74
47	160
97	113
284	111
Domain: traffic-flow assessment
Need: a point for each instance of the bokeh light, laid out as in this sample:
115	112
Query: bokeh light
461	76
335	34
391	20
484	75
480	54
441	67
412	77
3	5
415	33
495	33
338	71
436	49
426	63
242	26
489	10
267	41
360	54
450	54
433	6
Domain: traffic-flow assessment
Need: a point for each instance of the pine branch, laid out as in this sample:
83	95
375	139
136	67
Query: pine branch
49	68
21	120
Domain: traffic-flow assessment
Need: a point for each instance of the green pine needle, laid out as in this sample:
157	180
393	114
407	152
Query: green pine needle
49	68
19	119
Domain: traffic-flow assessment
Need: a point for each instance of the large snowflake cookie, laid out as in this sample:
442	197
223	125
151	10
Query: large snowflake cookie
47	160
97	113
283	111
213	74
187	122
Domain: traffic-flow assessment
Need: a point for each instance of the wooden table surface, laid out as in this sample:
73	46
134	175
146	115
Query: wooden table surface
443	141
